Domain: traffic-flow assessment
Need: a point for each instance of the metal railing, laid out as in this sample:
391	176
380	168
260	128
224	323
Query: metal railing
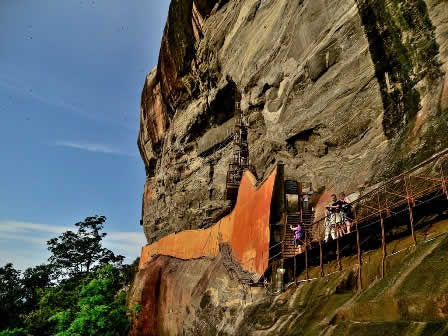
401	194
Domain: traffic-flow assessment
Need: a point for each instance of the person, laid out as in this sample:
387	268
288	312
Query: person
306	199
329	226
346	212
333	219
298	234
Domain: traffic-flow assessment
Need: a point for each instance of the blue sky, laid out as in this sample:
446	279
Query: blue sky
71	74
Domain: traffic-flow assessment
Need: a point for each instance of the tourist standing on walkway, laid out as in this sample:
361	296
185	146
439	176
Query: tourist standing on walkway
346	212
306	199
333	218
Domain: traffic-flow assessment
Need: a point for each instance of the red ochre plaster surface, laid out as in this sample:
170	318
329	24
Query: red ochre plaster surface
245	229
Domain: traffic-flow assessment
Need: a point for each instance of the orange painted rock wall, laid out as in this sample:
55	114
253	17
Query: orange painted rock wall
246	230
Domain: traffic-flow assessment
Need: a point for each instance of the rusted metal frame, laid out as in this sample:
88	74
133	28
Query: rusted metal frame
383	241
284	237
422	188
424	193
359	258
398	178
444	188
395	205
388	208
420	202
359	250
395	194
425	184
306	256
363	219
430	179
411	215
295	276
370	207
321	259
338	256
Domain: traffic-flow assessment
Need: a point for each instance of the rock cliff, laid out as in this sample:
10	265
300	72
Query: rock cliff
345	92
200	297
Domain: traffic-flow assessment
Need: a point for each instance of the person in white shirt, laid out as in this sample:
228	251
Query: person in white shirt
346	212
306	199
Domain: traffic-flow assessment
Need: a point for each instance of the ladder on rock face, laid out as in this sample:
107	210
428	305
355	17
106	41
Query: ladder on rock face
293	219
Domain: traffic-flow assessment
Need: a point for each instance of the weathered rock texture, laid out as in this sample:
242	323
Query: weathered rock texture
246	231
200	297
345	92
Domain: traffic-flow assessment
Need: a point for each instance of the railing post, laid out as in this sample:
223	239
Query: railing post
383	237
306	256
411	214
359	249
338	254
321	255
359	258
295	277
444	188
284	221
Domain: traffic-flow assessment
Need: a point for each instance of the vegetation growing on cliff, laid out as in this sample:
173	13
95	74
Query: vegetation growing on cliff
80	291
404	51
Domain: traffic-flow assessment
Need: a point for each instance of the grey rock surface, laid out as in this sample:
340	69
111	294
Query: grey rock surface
345	92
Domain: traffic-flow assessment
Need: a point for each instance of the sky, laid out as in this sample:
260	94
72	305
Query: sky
71	75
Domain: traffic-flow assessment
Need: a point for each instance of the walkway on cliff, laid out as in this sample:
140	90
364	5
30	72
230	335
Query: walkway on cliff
398	198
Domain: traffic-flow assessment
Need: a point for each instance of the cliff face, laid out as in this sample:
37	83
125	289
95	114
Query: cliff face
345	92
201	297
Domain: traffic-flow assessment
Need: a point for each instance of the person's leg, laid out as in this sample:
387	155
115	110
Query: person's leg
349	226
339	232
333	232
333	226
343	223
327	231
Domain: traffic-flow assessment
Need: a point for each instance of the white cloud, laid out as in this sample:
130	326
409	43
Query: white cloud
24	243
128	244
20	237
16	226
91	147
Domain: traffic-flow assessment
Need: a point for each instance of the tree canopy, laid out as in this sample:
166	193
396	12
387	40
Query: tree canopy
77	253
79	292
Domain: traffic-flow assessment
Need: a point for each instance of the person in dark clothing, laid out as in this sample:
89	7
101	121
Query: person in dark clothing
336	208
346	212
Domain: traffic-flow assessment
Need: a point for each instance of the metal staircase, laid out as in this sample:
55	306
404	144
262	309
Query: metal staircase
293	219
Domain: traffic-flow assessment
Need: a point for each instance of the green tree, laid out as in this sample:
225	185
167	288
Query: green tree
101	308
34	282
11	297
80	292
14	332
75	254
62	296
